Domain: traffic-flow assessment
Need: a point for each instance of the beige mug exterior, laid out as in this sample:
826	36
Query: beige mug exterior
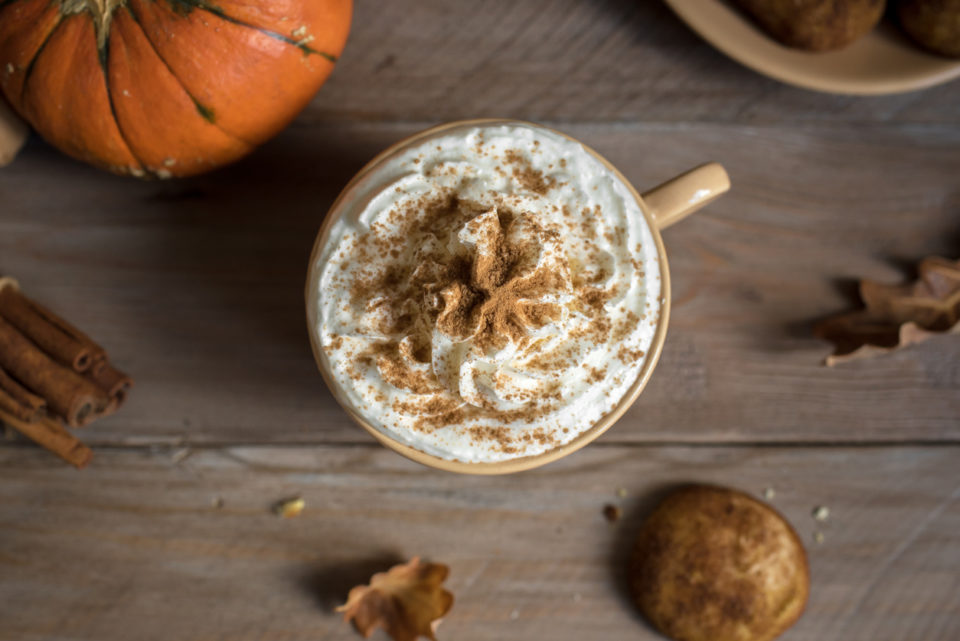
662	206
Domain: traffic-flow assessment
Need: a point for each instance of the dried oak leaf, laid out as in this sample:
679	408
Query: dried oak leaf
895	316
407	601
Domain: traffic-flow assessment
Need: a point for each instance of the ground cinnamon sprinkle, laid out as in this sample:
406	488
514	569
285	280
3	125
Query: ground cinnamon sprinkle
627	355
594	297
494	305
595	375
507	442
623	328
528	177
551	363
434	412
395	372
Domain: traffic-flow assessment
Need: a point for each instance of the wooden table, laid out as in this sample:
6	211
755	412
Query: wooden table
195	288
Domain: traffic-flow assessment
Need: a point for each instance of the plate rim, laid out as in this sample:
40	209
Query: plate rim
789	76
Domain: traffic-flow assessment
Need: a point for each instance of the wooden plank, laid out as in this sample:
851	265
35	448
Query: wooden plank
195	286
135	546
568	60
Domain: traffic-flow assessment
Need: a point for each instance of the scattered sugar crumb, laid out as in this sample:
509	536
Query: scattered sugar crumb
289	508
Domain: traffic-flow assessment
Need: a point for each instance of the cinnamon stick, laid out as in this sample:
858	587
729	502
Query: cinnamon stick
52	436
58	338
17	400
69	395
112	381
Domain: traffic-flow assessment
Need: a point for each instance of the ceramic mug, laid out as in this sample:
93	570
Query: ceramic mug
662	206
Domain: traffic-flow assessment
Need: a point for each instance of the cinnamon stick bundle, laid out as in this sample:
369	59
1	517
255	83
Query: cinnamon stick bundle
17	400
50	370
114	382
52	436
62	341
68	394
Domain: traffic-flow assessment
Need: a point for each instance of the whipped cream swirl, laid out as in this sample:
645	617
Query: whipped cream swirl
487	294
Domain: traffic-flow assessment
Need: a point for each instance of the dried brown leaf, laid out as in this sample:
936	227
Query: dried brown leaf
895	316
407	601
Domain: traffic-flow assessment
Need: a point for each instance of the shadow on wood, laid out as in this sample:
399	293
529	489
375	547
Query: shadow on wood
802	328
654	25
330	584
621	556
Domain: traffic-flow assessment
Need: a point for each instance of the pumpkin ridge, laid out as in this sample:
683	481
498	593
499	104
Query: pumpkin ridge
104	54
189	5
205	112
67	76
299	44
29	70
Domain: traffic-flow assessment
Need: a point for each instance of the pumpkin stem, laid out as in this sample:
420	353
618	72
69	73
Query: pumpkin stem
100	10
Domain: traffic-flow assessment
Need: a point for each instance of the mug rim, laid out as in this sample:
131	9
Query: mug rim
519	464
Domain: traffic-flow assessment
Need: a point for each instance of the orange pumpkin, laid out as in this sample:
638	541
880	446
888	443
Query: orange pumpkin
165	87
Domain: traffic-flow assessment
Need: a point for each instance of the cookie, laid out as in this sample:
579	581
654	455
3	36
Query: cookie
714	564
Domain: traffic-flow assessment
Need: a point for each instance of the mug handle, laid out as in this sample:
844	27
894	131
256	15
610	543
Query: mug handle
679	197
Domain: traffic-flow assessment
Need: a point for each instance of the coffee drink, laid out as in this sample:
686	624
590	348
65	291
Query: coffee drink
486	294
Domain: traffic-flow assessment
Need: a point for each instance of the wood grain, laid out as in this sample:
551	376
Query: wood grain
195	287
571	60
135	547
